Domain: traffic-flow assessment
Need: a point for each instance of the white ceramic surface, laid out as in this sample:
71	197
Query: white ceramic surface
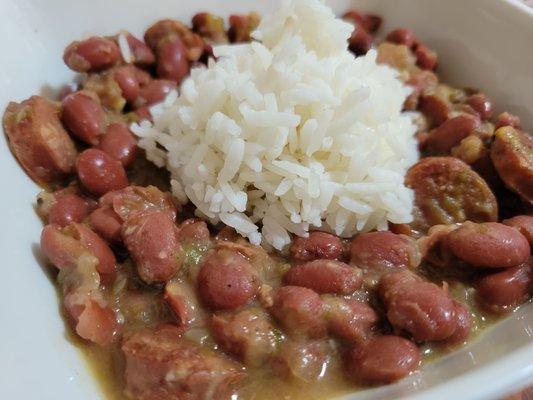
484	43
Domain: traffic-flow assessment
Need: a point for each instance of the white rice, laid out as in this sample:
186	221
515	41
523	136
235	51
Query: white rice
289	133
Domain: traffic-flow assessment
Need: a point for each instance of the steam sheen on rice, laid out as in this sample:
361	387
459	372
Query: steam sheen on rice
289	133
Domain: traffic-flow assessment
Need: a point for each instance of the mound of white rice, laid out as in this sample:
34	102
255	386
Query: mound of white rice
289	133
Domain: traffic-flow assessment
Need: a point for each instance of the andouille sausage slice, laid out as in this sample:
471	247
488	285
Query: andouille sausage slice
151	238
248	334
39	141
447	191
161	364
381	359
325	276
227	280
318	245
512	155
489	245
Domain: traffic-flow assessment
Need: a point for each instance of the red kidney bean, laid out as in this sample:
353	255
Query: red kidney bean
524	223
154	92
349	319
319	245
142	54
39	141
97	324
193	231
119	143
383	251
481	104
489	245
369	22
241	27
61	249
153	355
227	280
91	55
508	119
423	309
99	173
403	36
83	116
450	133
126	79
464	325
300	311
172	62
325	276
150	237
107	263
505	289
301	360
435	108
249	335
360	41
68	208
382	359
425	58
142	114
107	223
181	297
420	81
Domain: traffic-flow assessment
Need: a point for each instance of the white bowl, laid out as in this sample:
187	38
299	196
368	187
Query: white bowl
483	43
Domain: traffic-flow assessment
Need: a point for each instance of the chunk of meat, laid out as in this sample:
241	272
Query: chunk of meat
168	29
181	297
397	56
382	359
38	140
300	311
350	319
448	191
325	276
489	245
227	280
301	361
421	308
210	27
501	291
249	335
512	155
106	223
97	324
151	238
508	119
318	245
91	55
161	364
524	223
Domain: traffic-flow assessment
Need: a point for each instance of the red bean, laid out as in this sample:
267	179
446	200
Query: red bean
99	173
142	54
463	325
127	81
382	359
508	288
489	245
68	208
241	27
227	280
402	36
154	92
91	55
383	251
524	223
423	309
482	105
450	133
425	58
142	114
435	108
193	231
300	311
319	245
360	41
151	240
168	29
97	324
172	62
350	319
119	143
107	263
369	22
107	223
249	335
508	119
301	360
83	116
61	249
38	140
325	276
181	297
